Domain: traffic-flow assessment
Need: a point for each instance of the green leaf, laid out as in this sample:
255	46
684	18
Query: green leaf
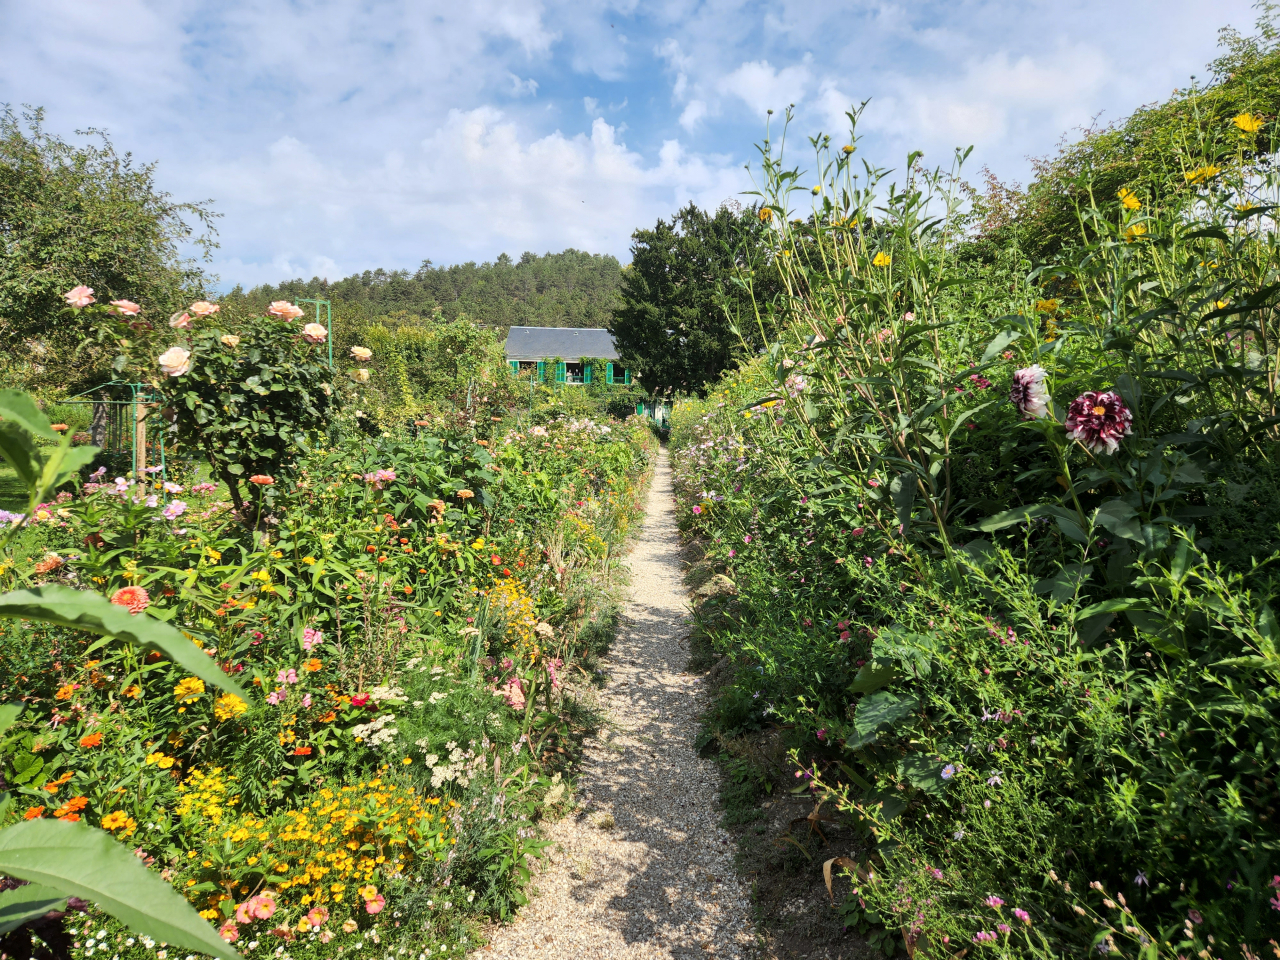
998	345
1112	606
16	447
83	610
924	773
18	408
1120	518
902	489
63	463
872	676
19	905
879	709
85	862
1009	517
9	714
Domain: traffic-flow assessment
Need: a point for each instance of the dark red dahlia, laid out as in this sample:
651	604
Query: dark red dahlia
1099	420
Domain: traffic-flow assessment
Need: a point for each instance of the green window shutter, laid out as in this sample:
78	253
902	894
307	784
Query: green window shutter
515	366
608	373
560	372
586	373
542	370
626	377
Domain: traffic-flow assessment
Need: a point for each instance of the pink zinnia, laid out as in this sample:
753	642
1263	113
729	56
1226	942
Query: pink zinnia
1099	420
133	599
80	296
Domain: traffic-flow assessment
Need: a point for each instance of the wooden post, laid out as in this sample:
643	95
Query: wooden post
140	440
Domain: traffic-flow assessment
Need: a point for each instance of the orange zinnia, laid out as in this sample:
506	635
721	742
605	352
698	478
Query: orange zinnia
133	599
92	740
35	813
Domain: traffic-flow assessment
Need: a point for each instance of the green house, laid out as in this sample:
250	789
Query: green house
530	349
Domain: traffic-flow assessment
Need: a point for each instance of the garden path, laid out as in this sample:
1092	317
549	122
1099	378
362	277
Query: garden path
640	870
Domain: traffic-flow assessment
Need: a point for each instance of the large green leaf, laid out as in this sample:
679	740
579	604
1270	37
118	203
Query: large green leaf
95	613
27	903
1009	517
1120	518
16	447
17	407
85	862
872	676
881	708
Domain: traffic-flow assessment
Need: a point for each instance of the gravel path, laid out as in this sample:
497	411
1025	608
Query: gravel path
641	869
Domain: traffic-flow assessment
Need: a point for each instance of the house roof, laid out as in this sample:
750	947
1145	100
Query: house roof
567	343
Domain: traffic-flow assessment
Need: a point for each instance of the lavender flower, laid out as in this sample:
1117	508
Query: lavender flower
948	771
1029	394
1099	420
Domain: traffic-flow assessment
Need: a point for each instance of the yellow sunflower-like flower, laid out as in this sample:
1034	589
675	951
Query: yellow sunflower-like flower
882	259
189	689
228	706
1248	122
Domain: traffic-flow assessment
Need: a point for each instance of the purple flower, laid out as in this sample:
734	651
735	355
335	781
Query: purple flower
994	780
948	771
1140	880
1029	394
822	733
984	936
100	472
1022	915
1002	927
1099	420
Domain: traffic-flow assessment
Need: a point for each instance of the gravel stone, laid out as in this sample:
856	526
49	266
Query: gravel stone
641	869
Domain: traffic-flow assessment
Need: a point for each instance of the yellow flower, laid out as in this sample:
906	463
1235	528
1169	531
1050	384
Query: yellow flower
1134	231
160	760
308	560
189	689
1047	306
1221	304
1202	174
1248	122
407	760
227	706
1130	201
882	259
276	554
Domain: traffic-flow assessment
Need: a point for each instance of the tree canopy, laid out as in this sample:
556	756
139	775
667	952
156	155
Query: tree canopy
74	215
572	288
685	317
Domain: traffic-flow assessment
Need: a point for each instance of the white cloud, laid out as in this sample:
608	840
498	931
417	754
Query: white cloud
591	105
522	87
694	112
763	87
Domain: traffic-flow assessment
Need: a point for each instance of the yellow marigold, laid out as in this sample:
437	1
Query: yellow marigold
160	760
133	691
227	706
1130	201
1047	306
882	259
308	560
189	689
1248	122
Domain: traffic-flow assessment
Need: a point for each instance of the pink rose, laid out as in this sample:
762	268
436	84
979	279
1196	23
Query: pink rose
180	321
175	361
80	296
284	309
127	307
203	308
315	333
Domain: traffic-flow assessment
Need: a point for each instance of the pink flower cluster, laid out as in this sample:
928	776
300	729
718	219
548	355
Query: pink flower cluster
379	478
311	638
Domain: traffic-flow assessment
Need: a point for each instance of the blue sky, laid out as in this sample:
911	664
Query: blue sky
341	136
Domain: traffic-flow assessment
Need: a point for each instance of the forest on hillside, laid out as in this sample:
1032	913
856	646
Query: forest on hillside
572	288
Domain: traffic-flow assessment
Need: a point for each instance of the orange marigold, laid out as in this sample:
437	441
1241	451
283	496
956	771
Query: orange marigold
66	690
133	599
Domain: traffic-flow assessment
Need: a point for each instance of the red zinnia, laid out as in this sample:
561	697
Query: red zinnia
1099	420
302	751
133	599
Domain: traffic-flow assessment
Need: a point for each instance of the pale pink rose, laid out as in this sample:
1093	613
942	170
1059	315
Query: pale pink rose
229	340
284	309
80	296
203	308
315	333
127	307
361	353
175	361
180	321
